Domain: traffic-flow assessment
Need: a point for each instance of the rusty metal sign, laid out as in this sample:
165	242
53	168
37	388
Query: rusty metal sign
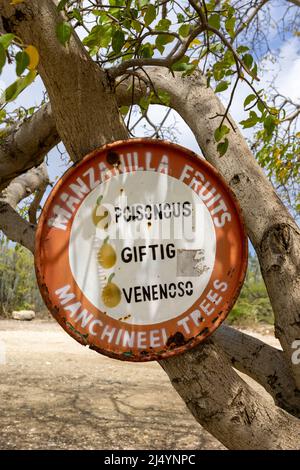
140	250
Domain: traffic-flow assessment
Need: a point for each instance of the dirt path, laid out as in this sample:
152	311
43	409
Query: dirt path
56	394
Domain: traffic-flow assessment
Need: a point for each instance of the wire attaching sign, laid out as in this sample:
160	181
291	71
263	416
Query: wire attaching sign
140	250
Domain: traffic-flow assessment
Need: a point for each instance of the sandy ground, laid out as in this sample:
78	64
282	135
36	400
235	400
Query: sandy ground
56	394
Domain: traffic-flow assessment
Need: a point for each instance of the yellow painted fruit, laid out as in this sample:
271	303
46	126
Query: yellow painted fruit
111	295
101	216
107	256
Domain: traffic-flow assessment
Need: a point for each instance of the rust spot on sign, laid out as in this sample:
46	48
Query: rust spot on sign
113	158
176	340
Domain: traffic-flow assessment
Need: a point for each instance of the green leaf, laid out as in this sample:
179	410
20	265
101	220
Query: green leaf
100	36
218	71
269	125
251	121
13	91
144	103
2	57
180	18
222	147
222	86
160	48
248	60
164	97
229	25
124	110
261	106
77	15
242	49
228	59
162	40
106	32
127	56
118	41
2	115
150	15
136	25
220	132
230	10
116	12
22	61
63	32
62	4
254	70
98	12
163	25
146	50
214	21
182	65
184	30
249	99
6	39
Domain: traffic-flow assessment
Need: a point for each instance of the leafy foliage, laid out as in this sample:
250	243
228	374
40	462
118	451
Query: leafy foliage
26	62
18	289
253	305
63	32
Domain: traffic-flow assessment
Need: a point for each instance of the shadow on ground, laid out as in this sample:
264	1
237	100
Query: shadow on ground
56	394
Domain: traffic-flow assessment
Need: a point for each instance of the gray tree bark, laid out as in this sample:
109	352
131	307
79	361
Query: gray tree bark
273	232
218	398
225	405
12	224
263	363
26	146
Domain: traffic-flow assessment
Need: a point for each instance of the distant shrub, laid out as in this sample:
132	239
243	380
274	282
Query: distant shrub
18	287
253	305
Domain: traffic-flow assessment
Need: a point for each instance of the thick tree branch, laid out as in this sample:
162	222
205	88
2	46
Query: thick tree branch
293	115
270	227
283	388
36	203
246	21
225	405
87	116
15	227
11	223
263	363
295	2
25	185
27	144
174	56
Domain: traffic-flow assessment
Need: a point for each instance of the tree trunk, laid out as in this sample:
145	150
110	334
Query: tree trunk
225	405
273	232
86	115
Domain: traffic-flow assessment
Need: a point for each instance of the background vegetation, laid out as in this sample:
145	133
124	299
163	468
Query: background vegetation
18	288
253	305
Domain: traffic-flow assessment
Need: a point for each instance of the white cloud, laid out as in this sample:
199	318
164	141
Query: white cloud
177	125
284	75
288	69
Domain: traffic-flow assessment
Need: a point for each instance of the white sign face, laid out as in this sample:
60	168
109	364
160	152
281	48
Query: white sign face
140	250
148	242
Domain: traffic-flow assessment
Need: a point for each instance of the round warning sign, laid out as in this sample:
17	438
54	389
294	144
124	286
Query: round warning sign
140	250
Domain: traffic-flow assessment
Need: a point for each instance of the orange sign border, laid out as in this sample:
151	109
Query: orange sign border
173	347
